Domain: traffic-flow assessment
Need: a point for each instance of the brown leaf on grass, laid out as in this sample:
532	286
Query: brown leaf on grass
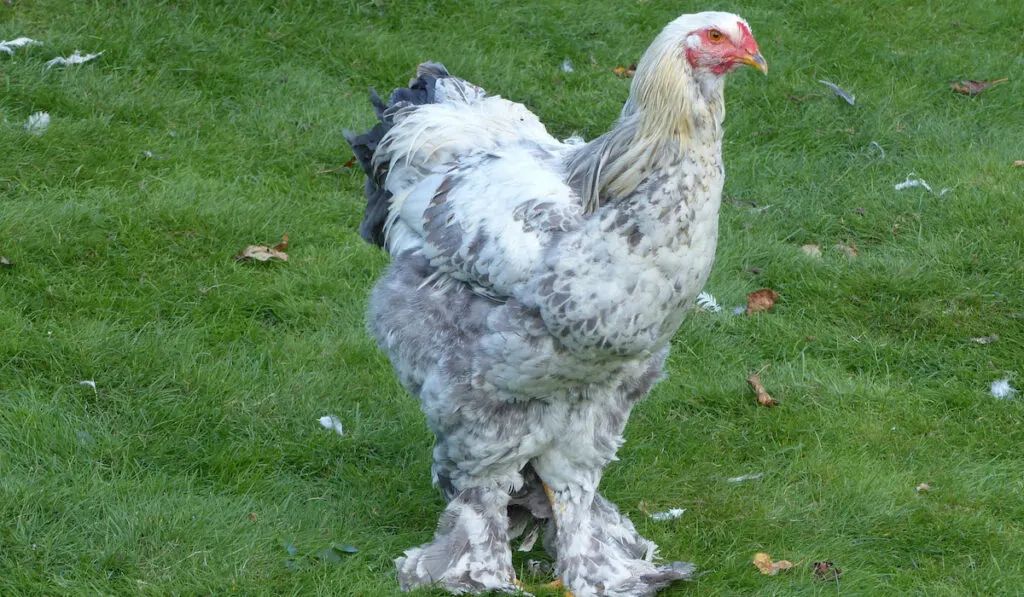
761	300
974	87
825	571
625	71
763	398
262	253
849	250
5	262
351	162
253	517
765	564
923	488
812	251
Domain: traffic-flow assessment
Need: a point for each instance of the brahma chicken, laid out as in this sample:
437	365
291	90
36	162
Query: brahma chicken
533	289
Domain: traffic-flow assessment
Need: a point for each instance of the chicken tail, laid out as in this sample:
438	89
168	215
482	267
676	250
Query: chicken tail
432	84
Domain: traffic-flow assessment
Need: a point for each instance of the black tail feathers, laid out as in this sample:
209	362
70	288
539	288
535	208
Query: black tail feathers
421	90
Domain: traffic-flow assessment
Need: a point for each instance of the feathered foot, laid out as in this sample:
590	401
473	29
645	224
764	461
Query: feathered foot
470	552
599	551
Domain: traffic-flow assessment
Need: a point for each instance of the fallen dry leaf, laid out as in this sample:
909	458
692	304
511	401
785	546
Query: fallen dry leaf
812	251
1019	163
351	162
761	300
923	488
262	253
849	250
825	571
763	398
625	71
765	564
974	87
253	517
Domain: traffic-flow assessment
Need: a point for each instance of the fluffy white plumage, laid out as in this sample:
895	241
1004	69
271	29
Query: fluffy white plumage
533	290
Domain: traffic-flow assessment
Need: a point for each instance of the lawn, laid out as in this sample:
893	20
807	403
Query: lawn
193	464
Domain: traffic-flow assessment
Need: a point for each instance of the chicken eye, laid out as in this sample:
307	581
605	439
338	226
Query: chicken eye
715	35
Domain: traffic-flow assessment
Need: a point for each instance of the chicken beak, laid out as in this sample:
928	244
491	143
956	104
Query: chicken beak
757	61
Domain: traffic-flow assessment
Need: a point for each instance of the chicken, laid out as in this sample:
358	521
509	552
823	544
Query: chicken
533	289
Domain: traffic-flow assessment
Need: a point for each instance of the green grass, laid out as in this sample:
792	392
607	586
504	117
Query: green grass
197	459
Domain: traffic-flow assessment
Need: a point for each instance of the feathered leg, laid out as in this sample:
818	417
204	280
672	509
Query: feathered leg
470	552
599	552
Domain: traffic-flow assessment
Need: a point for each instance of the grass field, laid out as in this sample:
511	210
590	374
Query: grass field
196	465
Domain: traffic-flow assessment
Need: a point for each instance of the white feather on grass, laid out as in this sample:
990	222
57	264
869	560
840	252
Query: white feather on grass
333	423
707	302
37	123
912	182
10	45
846	95
672	514
1002	389
742	478
75	58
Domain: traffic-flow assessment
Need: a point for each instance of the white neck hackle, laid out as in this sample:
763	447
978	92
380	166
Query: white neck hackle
670	105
